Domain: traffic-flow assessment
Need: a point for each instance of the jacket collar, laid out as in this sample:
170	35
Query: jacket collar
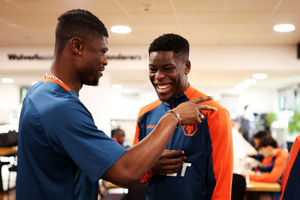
175	101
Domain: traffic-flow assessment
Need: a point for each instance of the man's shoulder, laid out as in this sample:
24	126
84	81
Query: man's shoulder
49	98
48	90
193	93
149	107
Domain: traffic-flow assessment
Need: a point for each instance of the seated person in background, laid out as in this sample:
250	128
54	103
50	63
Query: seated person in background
273	163
272	166
118	135
256	139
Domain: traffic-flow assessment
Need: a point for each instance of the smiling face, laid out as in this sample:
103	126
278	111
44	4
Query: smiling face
168	74
93	60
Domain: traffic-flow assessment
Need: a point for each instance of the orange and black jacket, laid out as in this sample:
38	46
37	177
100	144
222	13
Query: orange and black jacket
290	183
207	171
276	164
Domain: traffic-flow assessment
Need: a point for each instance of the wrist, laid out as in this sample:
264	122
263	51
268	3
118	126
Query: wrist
176	115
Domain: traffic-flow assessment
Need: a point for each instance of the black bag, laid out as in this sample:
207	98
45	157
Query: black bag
9	139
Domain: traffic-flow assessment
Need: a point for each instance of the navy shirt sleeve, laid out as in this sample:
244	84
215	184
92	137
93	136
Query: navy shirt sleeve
71	130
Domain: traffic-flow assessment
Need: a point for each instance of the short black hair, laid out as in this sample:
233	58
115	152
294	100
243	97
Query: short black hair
77	22
261	134
171	42
268	141
115	131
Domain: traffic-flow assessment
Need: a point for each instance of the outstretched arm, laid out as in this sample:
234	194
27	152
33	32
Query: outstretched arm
139	159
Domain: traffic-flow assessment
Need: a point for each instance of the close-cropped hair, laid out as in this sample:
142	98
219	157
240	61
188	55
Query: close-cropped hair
268	141
77	22
115	131
171	42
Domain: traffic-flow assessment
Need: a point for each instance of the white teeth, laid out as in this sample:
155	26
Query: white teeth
162	87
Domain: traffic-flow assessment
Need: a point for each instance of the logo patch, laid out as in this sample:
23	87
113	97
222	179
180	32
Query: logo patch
189	130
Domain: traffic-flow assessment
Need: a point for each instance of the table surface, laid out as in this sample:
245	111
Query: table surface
262	187
8	150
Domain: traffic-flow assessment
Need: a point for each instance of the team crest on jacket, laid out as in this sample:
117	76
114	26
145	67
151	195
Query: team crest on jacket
189	130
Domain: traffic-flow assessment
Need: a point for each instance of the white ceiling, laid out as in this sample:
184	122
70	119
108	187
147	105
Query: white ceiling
202	22
32	22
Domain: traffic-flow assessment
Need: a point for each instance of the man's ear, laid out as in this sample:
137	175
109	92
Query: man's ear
187	66
77	46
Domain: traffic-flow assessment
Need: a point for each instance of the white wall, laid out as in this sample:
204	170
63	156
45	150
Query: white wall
203	57
96	99
267	57
99	99
260	100
9	102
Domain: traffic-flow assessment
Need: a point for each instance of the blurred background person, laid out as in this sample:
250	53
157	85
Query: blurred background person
119	136
247	123
256	140
272	166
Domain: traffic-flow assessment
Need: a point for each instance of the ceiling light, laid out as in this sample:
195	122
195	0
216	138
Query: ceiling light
121	29
284	27
7	80
260	76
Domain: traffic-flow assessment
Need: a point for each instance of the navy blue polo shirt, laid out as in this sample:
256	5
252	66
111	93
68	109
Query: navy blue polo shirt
58	141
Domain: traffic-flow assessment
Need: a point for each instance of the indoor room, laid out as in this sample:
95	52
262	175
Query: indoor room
245	54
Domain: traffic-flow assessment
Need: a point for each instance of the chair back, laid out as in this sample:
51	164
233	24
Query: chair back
290	183
238	187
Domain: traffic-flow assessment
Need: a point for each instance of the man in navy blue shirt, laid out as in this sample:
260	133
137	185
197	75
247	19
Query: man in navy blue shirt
61	152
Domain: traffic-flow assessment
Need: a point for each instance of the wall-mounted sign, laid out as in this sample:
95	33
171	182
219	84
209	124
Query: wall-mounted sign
17	57
13	56
124	57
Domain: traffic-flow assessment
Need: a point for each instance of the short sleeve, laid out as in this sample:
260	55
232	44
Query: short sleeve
71	130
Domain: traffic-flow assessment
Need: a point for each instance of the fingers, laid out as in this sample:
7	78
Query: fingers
171	165
170	162
206	107
171	169
172	153
173	161
202	99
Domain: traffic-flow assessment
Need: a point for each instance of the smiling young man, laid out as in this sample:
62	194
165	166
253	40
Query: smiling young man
61	153
199	160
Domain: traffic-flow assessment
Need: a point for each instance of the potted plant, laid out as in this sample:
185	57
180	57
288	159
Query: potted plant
294	123
271	117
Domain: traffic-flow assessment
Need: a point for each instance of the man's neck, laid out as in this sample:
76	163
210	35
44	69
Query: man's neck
60	69
179	93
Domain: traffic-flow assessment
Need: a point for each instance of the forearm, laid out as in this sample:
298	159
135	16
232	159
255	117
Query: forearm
266	177
139	159
272	176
